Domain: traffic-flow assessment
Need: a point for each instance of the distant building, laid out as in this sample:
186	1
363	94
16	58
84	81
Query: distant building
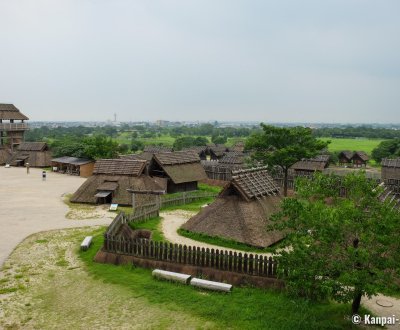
356	159
12	130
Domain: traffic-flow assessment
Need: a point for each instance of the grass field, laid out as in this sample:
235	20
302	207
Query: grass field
366	145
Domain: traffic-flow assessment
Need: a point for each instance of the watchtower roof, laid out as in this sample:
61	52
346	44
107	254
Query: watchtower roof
10	111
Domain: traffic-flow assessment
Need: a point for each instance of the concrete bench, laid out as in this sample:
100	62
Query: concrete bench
171	276
86	243
210	285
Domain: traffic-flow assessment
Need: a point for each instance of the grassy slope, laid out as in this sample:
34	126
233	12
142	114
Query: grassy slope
244	308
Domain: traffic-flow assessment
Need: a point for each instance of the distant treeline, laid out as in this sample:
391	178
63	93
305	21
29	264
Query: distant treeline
355	132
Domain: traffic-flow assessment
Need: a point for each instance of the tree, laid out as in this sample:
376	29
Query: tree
100	146
338	247
283	147
219	139
389	148
189	141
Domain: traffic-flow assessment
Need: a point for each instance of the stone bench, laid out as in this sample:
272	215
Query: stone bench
171	276
211	285
86	243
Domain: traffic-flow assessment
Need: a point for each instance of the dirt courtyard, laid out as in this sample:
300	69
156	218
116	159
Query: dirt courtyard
29	205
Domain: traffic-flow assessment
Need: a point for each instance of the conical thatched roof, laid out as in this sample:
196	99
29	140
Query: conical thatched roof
242	210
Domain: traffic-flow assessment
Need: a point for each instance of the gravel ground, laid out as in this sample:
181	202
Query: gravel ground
29	205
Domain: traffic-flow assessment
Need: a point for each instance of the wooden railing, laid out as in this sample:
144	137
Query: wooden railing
13	126
250	264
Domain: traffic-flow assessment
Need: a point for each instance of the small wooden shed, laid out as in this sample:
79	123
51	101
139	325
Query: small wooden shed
345	157
73	165
307	167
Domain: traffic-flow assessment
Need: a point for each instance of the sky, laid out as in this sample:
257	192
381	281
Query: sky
228	60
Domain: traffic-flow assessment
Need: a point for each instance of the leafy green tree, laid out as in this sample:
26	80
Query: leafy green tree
100	146
123	148
219	139
189	141
337	247
389	148
137	145
283	147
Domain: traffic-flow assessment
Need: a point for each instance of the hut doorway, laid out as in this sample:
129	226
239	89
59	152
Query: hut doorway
104	197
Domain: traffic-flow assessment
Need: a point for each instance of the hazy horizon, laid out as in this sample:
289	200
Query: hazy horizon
334	61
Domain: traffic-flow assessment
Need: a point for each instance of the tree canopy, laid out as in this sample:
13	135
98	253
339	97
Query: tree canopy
342	240
386	149
283	147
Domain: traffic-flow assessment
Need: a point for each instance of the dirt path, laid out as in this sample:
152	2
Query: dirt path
173	220
374	305
29	205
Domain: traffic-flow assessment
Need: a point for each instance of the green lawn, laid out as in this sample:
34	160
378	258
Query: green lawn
244	308
359	144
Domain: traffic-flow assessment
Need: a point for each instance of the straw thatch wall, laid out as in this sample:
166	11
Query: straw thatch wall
233	218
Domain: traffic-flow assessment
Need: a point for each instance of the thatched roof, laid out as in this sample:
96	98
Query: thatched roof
32	146
239	146
176	158
9	111
253	183
346	154
218	150
119	167
387	162
181	166
157	149
72	160
233	157
196	149
318	163
242	210
233	218
141	156
362	155
118	184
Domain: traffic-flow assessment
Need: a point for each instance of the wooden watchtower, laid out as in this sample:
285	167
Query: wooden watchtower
12	126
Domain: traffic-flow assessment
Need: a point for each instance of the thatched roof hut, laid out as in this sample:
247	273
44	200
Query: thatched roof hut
182	169
306	167
217	151
110	180
360	158
242	210
37	154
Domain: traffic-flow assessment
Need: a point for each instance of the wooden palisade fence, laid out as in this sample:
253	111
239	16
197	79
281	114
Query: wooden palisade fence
249	264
